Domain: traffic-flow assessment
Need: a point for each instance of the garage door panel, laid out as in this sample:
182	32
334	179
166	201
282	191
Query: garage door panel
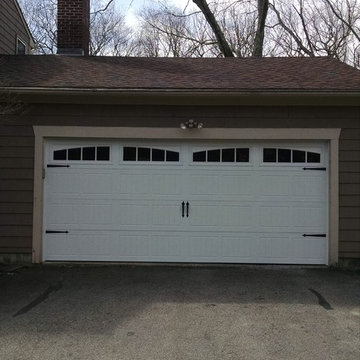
309	186
79	214
77	246
274	185
274	217
62	214
204	246
239	246
166	214
132	184
234	185
131	245
237	216
221	215
241	212
147	214
225	185
309	218
165	245
93	183
285	248
203	184
204	215
64	183
132	214
166	184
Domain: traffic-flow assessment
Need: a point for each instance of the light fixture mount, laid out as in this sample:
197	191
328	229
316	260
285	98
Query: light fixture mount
191	124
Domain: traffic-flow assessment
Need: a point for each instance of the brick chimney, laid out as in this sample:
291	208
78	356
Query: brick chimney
73	35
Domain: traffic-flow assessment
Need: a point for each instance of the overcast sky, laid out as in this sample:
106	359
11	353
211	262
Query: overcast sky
130	7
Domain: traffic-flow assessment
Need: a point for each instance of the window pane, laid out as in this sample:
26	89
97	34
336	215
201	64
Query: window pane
228	155
158	155
284	155
213	156
21	48
269	155
88	153
143	154
172	155
313	157
242	155
298	156
74	154
199	156
129	153
103	153
60	154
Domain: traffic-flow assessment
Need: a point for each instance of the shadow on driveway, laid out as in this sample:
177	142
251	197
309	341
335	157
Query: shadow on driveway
175	312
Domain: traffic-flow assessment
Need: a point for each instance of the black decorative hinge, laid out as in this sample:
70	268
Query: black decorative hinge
314	235
56	232
57	166
315	168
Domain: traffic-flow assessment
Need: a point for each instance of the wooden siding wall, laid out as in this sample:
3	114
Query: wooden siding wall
16	188
16	153
11	26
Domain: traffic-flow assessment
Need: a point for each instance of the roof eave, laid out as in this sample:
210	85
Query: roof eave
32	41
186	96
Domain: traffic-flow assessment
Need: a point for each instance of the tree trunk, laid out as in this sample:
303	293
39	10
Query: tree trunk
263	7
210	18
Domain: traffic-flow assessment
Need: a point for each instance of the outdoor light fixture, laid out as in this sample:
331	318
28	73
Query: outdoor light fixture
191	124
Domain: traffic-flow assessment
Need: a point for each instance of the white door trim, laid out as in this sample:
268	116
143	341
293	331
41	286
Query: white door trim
44	132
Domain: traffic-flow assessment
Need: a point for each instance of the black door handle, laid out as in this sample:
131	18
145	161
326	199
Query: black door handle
183	209
187	209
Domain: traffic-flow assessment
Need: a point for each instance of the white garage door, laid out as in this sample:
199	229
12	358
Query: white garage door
186	202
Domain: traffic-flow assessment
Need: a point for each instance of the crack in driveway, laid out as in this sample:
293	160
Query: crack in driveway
42	297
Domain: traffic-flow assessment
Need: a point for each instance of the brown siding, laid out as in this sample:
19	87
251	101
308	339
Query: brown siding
16	188
16	162
11	27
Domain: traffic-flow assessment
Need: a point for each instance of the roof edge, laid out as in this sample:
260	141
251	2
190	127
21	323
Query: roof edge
32	40
98	91
186	96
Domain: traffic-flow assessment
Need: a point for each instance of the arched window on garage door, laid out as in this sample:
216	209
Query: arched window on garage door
280	155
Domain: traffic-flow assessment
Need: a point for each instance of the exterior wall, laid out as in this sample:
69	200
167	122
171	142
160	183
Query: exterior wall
17	148
16	188
11	27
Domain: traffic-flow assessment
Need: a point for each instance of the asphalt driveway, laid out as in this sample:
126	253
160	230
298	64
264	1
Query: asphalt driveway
123	312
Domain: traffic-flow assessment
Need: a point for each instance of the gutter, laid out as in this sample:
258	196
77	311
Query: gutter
173	91
185	96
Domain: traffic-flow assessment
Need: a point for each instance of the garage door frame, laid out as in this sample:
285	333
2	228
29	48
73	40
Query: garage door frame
42	133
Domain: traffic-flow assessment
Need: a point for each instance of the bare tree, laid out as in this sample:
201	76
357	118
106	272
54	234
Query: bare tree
353	9
109	34
317	28
263	7
41	17
167	31
220	28
239	22
220	37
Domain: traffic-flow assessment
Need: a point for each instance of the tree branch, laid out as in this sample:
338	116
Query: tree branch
292	34
263	7
103	9
304	25
210	18
331	5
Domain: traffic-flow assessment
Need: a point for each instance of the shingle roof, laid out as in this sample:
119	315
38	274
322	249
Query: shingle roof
244	74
